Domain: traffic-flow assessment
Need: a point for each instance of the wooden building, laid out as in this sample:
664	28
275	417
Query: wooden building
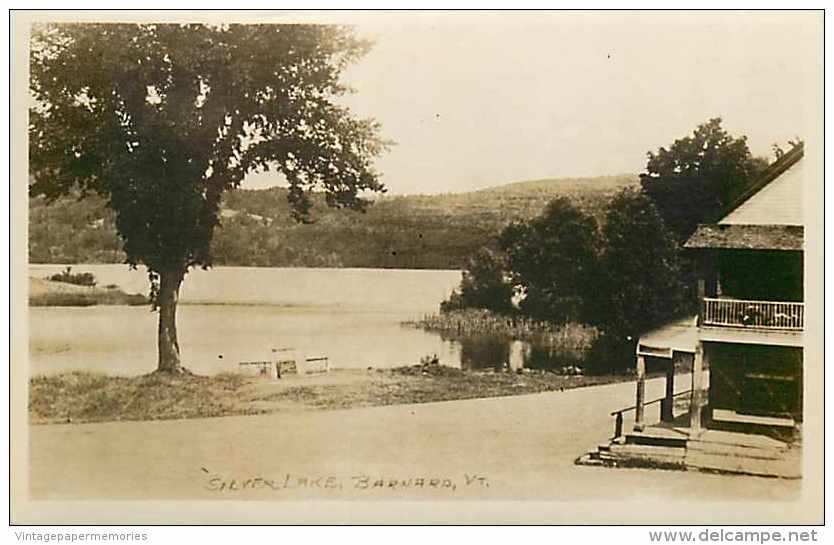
750	327
744	347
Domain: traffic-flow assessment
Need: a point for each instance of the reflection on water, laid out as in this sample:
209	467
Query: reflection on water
491	352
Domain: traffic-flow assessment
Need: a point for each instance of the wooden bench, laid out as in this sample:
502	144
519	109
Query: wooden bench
316	365
264	368
285	361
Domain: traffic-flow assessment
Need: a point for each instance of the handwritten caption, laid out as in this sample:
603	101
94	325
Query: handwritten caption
361	482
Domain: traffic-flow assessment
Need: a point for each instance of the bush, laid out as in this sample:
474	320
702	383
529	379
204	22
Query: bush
484	285
80	279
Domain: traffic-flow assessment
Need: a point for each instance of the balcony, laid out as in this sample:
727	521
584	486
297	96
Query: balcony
740	313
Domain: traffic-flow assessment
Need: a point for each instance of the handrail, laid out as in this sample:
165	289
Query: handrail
658	400
618	423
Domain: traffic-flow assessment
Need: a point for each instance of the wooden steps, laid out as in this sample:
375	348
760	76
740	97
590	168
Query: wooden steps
711	450
717	449
658	436
744	453
739	439
732	417
648	455
781	467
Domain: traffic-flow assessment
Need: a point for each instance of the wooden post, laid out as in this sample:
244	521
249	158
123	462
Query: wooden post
700	294
618	425
641	393
667	408
697	394
706	408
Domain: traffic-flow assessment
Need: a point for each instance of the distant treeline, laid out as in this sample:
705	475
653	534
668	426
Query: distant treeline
410	232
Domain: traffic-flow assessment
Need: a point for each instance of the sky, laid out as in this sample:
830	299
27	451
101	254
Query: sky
479	100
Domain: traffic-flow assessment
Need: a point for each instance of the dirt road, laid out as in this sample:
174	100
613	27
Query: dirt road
499	449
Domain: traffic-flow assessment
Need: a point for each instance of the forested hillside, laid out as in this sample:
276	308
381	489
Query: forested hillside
427	232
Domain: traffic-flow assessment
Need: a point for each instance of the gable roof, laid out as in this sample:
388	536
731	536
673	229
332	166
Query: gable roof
775	198
767	216
747	237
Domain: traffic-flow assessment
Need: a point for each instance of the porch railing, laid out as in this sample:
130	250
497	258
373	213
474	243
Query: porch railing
759	314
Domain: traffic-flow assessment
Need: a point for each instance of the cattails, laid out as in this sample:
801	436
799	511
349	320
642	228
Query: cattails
472	322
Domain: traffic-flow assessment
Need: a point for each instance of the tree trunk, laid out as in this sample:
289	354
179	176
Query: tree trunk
169	348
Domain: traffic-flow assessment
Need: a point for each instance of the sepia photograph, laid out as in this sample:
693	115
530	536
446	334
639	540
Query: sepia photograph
417	267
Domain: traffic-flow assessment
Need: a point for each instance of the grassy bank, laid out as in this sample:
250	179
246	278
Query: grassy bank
89	397
49	293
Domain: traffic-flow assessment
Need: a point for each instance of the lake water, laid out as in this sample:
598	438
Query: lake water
232	314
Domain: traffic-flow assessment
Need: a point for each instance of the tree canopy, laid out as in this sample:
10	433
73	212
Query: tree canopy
161	119
552	257
697	176
639	282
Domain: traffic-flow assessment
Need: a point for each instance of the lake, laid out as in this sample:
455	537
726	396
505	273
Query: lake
232	314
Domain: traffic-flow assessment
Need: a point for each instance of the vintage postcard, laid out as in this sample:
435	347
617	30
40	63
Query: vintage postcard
557	267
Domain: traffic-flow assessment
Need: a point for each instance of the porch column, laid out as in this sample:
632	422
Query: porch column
667	408
706	408
697	400
641	393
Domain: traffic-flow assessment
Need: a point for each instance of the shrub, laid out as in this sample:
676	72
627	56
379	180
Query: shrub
484	285
80	279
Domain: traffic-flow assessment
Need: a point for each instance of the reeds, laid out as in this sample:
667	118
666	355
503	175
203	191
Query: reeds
477	322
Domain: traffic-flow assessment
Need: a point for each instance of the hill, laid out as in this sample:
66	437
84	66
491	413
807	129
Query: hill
413	231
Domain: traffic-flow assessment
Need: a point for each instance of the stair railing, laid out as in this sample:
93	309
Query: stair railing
618	414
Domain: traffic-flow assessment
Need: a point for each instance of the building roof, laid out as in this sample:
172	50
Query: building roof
775	198
747	237
679	335
767	216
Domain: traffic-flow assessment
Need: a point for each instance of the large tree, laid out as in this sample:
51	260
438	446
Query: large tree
697	176
552	258
161	119
639	283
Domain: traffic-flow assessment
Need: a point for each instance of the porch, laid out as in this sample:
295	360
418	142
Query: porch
681	430
666	440
745	313
745	321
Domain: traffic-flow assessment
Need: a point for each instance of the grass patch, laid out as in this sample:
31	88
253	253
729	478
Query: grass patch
52	293
93	397
99	297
